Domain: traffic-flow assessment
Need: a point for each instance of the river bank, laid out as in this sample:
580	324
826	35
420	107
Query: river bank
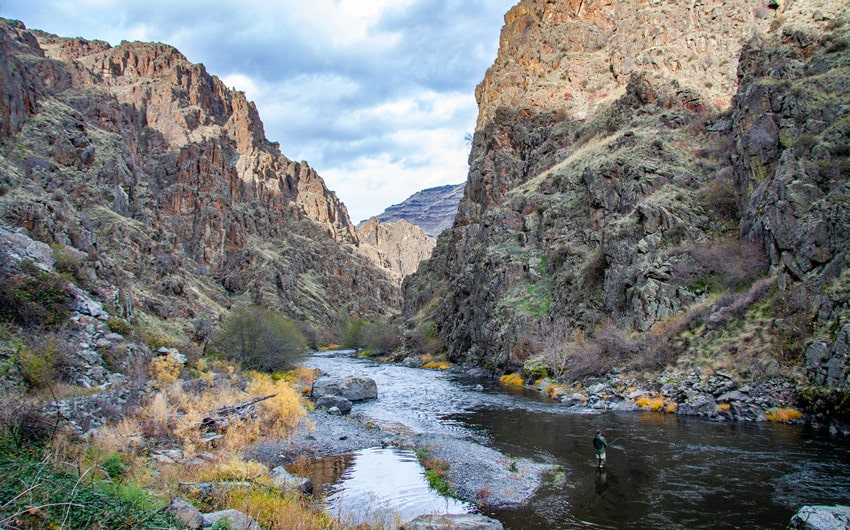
718	396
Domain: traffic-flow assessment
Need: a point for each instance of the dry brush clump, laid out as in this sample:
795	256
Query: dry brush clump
117	457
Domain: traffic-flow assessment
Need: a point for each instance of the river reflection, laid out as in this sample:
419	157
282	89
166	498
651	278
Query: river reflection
664	471
381	487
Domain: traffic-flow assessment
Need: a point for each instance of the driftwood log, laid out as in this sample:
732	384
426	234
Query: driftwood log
217	420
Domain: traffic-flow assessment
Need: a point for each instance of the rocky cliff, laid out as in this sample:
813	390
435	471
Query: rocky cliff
433	209
654	187
162	184
396	246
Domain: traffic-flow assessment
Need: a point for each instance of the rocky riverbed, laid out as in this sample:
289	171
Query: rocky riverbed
477	473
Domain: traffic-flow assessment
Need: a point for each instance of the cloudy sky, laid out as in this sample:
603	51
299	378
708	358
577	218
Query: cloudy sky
377	95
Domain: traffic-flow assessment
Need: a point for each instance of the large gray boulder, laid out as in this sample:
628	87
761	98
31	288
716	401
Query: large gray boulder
822	518
329	402
236	520
350	388
462	521
185	513
286	481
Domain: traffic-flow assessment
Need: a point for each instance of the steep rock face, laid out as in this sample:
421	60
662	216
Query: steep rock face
792	133
165	179
396	246
433	209
613	212
577	55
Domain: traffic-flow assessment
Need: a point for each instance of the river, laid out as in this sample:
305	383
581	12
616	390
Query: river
664	471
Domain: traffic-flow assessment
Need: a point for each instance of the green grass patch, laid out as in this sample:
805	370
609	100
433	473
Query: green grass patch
39	494
436	472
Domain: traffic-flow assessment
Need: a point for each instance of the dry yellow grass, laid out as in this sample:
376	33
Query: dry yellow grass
171	420
437	365
164	369
650	402
724	406
671	408
275	511
784	415
511	380
233	468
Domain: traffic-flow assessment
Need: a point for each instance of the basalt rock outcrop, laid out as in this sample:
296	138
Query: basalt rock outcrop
162	180
396	246
653	185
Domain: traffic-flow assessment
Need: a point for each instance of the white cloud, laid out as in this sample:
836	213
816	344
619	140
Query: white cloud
243	83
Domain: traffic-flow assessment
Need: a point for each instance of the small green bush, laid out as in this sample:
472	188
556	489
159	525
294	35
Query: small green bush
261	339
37	367
34	298
119	325
352	333
69	264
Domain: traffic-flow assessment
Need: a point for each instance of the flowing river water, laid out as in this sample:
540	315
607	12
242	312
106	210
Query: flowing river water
664	471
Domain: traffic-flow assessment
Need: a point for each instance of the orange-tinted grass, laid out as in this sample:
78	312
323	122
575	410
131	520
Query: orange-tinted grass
784	415
651	403
437	365
511	380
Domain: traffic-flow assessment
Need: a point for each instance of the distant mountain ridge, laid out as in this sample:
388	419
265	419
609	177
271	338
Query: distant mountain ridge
433	209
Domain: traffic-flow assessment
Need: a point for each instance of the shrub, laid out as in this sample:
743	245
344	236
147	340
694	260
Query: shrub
260	339
35	298
512	380
719	195
650	402
156	340
784	415
164	369
69	264
271	509
352	333
36	367
119	325
381	337
425	339
722	264
24	424
45	360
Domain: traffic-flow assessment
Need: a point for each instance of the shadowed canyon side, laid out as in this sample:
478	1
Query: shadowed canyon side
161	181
657	188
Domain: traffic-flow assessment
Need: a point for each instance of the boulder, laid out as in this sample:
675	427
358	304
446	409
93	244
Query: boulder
236	519
822	518
286	481
462	521
350	388
328	402
185	513
699	405
734	395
